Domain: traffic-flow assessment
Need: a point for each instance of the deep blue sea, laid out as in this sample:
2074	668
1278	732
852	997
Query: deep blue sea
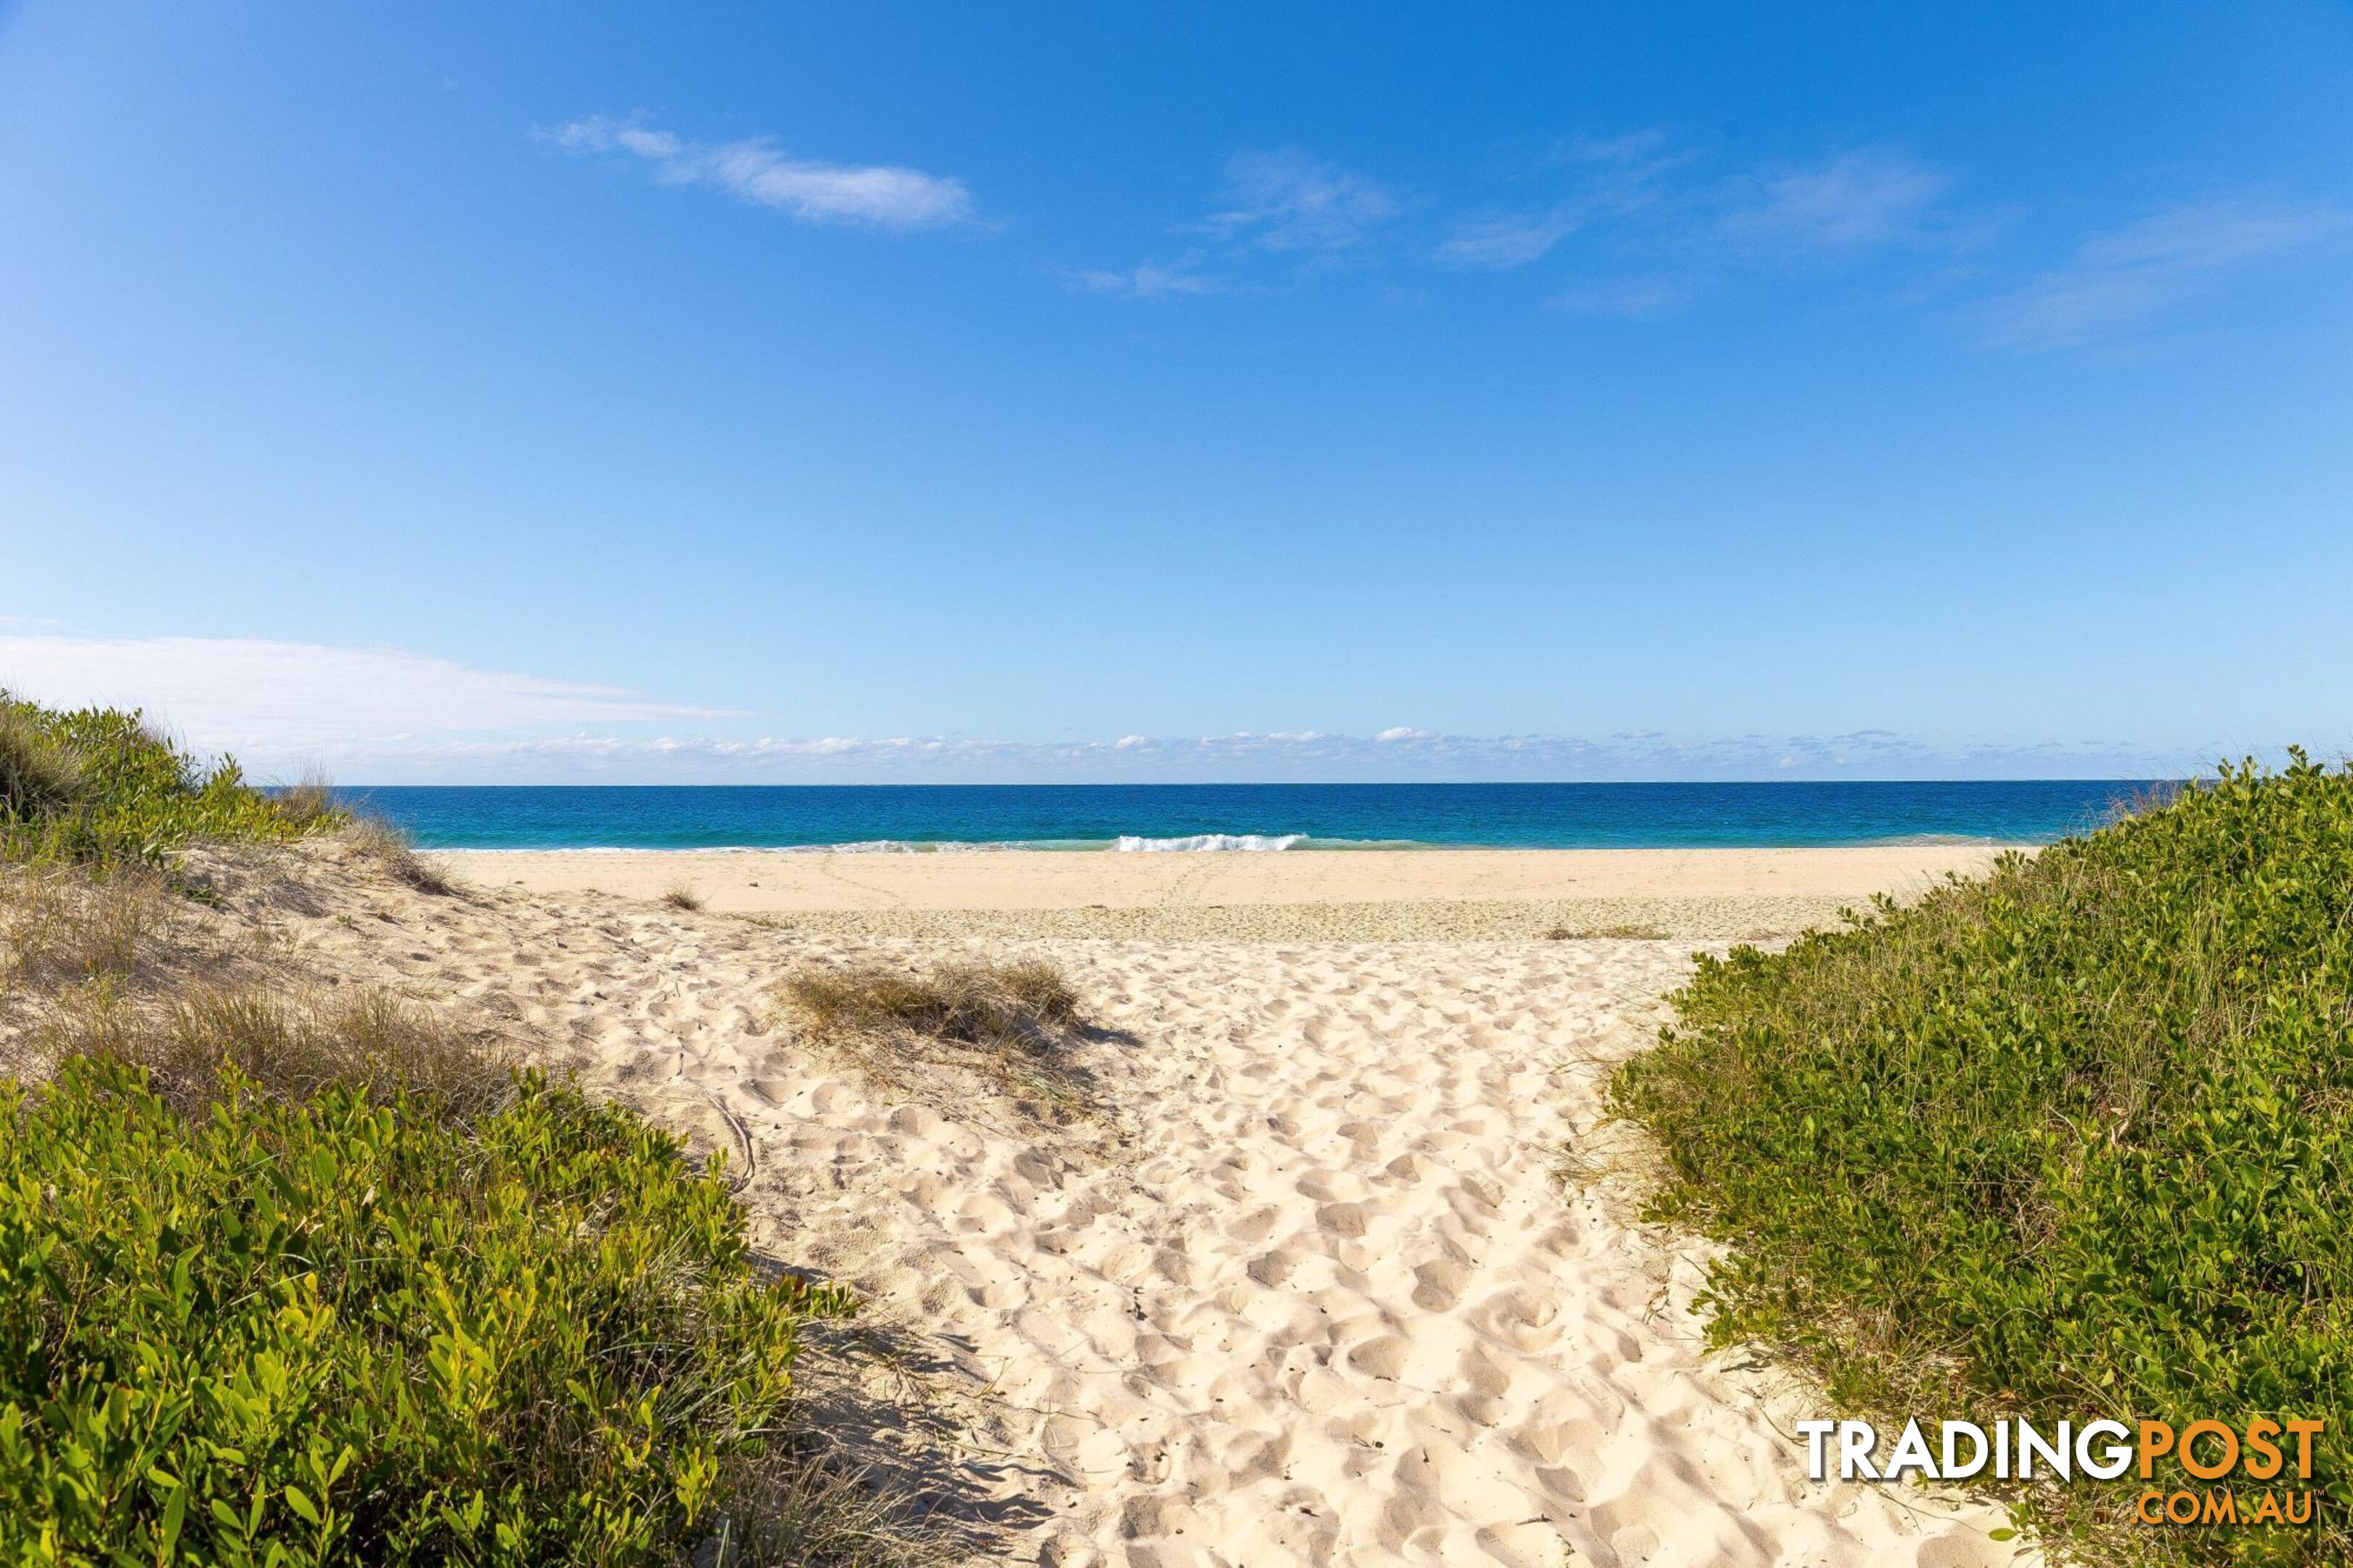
1176	817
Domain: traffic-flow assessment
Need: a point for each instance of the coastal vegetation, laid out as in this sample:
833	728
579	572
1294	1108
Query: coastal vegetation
98	786
295	1273
2071	1140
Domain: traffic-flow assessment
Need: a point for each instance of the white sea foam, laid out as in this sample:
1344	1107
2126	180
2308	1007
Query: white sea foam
1130	844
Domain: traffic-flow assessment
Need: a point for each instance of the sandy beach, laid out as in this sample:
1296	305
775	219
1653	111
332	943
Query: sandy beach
1306	1287
1293	895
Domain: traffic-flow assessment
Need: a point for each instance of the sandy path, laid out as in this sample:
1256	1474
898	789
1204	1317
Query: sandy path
1315	1297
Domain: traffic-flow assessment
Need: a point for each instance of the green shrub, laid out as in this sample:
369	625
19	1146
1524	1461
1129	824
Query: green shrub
2074	1140
97	785
336	1331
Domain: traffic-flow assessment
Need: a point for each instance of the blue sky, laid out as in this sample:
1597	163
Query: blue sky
541	393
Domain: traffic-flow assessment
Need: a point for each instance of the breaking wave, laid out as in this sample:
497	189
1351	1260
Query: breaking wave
1198	843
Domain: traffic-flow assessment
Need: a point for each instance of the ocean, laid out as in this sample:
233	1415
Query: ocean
1200	817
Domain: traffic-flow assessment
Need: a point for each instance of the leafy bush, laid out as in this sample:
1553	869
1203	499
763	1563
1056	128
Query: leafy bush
97	785
336	1329
2075	1139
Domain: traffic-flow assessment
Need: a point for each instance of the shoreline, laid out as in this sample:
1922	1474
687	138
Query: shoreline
920	847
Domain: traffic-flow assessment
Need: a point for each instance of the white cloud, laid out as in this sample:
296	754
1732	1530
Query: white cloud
2122	277
1859	200
756	172
1150	281
1615	179
1288	201
280	702
1635	299
1512	240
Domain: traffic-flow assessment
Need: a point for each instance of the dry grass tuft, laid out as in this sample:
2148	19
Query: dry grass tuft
799	1504
389	847
292	1048
680	896
1610	933
38	775
60	929
1013	1004
1013	1024
310	803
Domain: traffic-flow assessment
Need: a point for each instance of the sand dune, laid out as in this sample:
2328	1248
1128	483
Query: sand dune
1308	1294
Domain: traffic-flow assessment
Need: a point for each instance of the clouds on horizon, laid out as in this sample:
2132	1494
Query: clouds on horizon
288	701
755	170
1244	757
385	716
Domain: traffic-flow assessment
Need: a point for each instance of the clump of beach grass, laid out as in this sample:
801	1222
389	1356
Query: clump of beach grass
288	1047
682	896
390	848
60	927
1013	1022
40	774
2074	1140
310	801
1622	932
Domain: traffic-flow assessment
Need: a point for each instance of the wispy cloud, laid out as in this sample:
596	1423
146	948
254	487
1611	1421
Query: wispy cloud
1513	239
1288	201
286	699
1631	299
1612	178
1279	213
757	171
1148	280
2122	277
1859	200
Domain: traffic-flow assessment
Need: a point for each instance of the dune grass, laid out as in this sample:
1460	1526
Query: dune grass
62	927
680	896
389	847
1012	1023
286	1047
2074	1140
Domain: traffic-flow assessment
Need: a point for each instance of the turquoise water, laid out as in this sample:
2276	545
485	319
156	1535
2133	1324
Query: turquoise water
1175	817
